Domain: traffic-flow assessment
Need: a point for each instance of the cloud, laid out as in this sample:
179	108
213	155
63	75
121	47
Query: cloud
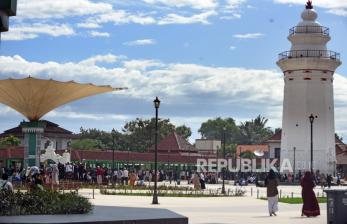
108	58
201	4
337	7
146	78
48	9
194	87
234	4
248	36
232	47
339	12
140	42
119	17
141	64
88	14
32	31
99	34
88	25
61	113
173	18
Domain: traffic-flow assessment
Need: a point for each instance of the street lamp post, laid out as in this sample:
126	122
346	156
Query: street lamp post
113	133
240	164
294	150
311	118
168	165
223	171
128	165
155	194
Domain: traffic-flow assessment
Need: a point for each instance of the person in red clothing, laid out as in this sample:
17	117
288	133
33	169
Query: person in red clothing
310	207
99	174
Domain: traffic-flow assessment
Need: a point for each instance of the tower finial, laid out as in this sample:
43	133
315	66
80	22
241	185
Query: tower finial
309	4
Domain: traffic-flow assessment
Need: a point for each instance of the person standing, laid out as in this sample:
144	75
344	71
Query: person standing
196	181
55	174
6	185
125	176
329	180
271	183
99	174
310	207
202	181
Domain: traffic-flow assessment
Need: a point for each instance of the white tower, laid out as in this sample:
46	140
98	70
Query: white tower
308	75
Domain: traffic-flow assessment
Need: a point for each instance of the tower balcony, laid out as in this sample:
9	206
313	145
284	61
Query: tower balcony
309	30
309	54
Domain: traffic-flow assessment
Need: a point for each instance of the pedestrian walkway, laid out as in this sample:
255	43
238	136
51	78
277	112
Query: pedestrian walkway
221	210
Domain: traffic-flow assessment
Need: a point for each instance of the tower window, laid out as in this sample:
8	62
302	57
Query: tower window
307	78
291	79
323	79
307	71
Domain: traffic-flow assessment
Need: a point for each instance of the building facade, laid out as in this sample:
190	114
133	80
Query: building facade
308	69
53	132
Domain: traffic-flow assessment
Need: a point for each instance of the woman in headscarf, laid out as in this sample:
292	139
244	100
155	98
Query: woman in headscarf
310	207
271	183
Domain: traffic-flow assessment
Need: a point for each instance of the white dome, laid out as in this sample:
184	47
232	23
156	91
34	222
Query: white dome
309	15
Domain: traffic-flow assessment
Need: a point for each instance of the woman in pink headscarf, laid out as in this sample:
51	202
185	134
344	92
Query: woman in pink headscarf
310	207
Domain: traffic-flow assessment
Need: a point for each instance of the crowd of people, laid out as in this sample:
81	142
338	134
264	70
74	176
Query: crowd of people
53	173
138	176
101	175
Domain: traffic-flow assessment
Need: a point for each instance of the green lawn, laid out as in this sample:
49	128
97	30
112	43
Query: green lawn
298	200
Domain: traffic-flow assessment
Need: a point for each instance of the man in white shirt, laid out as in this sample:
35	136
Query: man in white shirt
125	176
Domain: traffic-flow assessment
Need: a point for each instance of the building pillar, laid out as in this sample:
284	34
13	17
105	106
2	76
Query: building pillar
33	132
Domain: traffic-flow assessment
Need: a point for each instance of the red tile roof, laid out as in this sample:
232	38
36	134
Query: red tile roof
79	155
275	138
174	143
251	148
341	158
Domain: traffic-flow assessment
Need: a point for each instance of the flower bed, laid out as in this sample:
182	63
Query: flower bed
42	203
174	193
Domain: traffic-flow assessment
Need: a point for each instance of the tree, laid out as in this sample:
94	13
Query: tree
136	135
9	141
184	131
87	144
248	155
104	137
213	129
230	150
140	133
254	131
338	137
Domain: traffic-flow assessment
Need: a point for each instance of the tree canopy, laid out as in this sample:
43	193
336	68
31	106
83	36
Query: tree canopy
254	131
136	135
184	131
9	141
215	129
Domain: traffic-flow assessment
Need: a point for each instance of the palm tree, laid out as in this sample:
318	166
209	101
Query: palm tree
255	131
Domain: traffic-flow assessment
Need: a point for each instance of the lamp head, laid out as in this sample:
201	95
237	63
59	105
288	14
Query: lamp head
311	117
156	102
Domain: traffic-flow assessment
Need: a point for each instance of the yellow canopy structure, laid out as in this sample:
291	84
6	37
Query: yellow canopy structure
34	97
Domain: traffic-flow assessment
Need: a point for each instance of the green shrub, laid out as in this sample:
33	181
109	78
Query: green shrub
42	203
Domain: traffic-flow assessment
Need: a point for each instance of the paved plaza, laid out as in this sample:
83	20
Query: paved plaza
222	210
